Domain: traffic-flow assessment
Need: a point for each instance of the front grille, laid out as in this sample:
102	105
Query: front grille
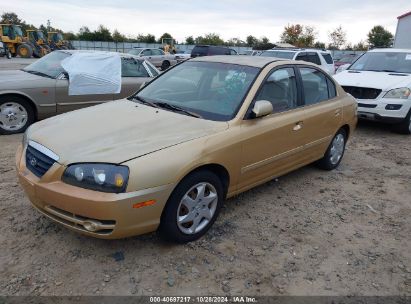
365	105
37	162
362	93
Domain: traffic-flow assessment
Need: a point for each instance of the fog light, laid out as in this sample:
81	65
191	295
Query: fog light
393	106
90	226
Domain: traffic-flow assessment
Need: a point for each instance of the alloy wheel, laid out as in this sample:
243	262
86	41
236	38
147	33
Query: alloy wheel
197	208
337	149
13	116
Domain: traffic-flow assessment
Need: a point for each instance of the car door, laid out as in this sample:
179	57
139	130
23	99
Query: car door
133	75
272	143
66	102
158	57
322	110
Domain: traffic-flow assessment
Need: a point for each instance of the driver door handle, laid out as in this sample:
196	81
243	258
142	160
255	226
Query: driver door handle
298	126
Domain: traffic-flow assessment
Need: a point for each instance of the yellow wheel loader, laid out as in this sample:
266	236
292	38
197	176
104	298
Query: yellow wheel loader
39	42
57	42
12	36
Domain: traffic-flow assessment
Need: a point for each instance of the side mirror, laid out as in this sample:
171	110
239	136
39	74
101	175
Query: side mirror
262	108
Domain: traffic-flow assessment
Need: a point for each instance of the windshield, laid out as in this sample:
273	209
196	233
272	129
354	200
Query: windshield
17	30
49	65
135	51
40	35
214	91
384	62
278	54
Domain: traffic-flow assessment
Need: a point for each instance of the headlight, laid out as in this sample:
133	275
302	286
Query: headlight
401	93
99	177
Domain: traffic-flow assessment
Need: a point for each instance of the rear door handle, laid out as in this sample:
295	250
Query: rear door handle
337	112
298	126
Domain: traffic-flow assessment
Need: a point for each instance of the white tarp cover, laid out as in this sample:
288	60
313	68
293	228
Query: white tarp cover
93	73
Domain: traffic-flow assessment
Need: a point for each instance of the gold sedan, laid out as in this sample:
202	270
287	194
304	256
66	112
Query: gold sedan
166	158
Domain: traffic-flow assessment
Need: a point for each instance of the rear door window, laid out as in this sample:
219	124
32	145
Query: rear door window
302	57
200	51
327	57
313	57
315	86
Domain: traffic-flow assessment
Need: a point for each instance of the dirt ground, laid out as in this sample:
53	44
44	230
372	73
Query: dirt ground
345	232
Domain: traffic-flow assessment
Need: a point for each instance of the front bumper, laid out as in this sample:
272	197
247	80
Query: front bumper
375	109
97	214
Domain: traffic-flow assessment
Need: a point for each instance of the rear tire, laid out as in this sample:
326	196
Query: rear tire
192	207
335	152
24	50
16	115
165	65
405	126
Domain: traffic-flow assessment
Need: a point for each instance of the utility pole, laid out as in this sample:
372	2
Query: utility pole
48	24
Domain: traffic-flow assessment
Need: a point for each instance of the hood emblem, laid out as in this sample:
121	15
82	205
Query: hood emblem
33	161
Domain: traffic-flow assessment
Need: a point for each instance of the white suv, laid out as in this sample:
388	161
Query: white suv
380	80
322	58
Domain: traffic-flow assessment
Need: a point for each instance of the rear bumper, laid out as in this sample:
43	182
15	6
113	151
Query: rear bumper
109	216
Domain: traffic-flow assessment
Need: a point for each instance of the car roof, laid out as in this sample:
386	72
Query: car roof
390	50
254	61
106	52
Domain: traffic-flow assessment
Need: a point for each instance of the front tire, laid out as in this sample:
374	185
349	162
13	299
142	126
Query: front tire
192	207
405	126
335	152
16	115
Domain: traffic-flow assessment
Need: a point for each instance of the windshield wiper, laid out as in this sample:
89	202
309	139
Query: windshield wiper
38	73
174	108
143	101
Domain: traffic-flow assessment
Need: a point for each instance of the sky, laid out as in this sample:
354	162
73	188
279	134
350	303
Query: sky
228	18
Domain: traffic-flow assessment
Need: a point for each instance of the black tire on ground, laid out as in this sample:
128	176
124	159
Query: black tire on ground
23	103
326	162
169	229
165	65
24	50
405	126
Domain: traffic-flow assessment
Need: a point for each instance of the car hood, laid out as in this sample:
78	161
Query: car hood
17	79
117	131
377	80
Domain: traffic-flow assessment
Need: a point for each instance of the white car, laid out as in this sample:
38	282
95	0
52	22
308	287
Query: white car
156	56
322	58
380	80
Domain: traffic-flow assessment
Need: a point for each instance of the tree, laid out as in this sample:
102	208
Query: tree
190	40
102	34
164	36
146	38
235	42
118	37
379	37
263	44
251	41
211	39
299	35
85	34
337	38
360	46
10	17
319	45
